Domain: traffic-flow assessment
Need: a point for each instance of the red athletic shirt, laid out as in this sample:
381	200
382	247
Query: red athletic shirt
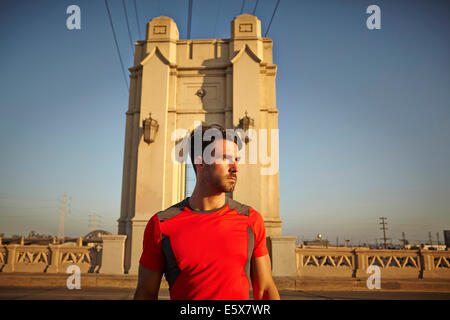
205	255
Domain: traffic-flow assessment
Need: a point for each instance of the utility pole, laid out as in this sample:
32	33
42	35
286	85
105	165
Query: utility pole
62	217
430	239
384	224
437	238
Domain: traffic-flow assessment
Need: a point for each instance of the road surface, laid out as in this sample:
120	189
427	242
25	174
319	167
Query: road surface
56	293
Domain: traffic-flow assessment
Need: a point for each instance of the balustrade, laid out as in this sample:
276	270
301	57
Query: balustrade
353	262
49	258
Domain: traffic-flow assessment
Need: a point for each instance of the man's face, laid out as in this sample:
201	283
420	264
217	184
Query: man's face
221	175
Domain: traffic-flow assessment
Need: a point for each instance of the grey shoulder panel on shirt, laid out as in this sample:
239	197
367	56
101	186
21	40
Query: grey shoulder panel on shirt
239	207
171	211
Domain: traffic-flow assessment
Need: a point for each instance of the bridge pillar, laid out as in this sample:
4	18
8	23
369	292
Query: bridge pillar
176	82
283	255
55	258
113	255
11	260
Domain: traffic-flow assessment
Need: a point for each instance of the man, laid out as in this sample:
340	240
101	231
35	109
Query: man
208	246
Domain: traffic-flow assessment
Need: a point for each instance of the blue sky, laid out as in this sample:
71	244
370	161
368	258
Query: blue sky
364	115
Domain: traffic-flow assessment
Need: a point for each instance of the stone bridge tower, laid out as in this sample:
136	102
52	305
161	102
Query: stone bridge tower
176	82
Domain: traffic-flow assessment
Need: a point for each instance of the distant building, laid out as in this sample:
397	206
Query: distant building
426	246
318	242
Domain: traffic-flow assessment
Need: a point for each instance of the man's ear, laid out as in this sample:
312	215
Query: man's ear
198	162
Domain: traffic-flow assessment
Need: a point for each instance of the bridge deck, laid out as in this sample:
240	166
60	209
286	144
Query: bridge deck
58	293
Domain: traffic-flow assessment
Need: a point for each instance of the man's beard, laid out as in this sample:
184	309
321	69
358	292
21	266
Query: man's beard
223	184
227	185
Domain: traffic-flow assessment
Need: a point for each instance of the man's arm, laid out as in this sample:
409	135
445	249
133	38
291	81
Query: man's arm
263	285
148	284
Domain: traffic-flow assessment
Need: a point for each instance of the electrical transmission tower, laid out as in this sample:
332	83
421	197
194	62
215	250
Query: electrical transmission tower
62	217
430	239
347	241
384	224
94	221
403	240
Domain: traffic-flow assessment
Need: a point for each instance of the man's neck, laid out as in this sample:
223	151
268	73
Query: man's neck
204	201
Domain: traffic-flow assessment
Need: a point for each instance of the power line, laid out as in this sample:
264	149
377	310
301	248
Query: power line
26	208
12	198
189	20
128	27
270	23
242	8
137	19
254	10
76	218
28	217
117	45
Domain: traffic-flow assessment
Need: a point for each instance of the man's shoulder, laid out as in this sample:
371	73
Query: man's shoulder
239	207
172	211
249	211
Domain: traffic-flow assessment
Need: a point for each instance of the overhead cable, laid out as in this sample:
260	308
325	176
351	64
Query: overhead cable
271	19
117	45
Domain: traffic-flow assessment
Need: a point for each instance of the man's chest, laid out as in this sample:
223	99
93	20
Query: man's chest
199	242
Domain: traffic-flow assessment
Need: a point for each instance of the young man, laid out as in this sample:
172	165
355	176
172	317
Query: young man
208	246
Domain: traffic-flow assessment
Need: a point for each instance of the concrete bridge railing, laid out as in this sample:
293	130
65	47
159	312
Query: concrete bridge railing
49	258
56	258
353	262
308	262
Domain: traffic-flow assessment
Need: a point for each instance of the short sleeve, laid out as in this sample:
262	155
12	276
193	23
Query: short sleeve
259	230
152	257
